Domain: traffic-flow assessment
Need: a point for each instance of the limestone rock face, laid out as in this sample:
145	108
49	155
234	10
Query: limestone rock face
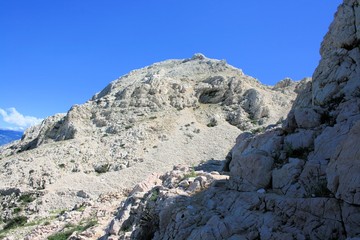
338	72
297	181
212	211
253	168
343	170
177	111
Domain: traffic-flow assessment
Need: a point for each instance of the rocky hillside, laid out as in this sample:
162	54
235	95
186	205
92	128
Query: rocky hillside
297	181
173	112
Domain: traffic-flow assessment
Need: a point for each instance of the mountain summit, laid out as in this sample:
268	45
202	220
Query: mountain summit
296	181
173	112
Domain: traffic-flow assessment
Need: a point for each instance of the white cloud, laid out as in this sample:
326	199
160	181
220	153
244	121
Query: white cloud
12	116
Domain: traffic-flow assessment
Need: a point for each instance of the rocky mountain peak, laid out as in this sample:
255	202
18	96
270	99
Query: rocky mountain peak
186	111
172	85
297	181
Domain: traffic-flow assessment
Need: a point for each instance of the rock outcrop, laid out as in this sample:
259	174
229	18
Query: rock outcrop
173	112
297	181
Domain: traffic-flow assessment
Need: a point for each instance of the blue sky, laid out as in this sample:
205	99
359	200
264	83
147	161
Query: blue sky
54	54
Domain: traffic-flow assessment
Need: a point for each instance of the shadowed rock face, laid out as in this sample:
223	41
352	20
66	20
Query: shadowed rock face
297	181
169	113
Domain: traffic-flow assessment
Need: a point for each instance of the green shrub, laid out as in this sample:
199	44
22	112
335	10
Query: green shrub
257	130
17	209
154	195
61	235
254	122
15	222
70	229
26	198
81	209
212	123
320	189
126	228
61	165
191	174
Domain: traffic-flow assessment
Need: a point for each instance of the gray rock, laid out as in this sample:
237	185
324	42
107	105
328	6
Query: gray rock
283	178
311	189
342	172
309	168
254	168
301	139
306	118
82	194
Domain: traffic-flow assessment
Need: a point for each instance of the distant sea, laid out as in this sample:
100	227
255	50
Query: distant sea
7	136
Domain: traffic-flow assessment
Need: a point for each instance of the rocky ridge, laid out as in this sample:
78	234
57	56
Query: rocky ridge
297	181
173	112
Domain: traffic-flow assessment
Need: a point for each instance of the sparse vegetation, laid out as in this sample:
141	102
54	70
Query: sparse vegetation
326	118
126	229
70	229
39	221
257	130
317	189
61	165
254	122
281	119
154	195
191	174
316	185
61	235
320	189
15	222
58	212
26	198
17	210
212	123
197	130
81	209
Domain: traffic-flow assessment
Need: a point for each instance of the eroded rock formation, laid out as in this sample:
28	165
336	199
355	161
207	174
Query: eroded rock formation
172	112
297	181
